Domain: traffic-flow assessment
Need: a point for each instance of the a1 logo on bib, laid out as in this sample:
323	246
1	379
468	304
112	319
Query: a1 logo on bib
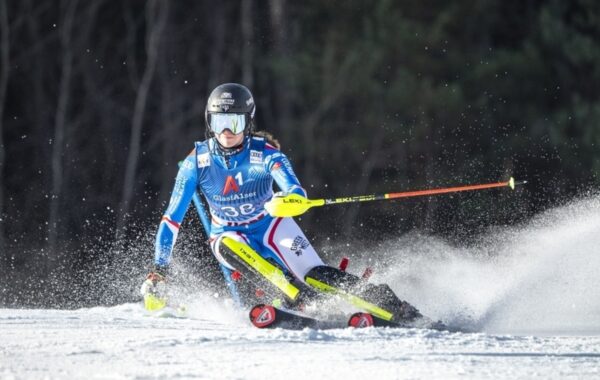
230	185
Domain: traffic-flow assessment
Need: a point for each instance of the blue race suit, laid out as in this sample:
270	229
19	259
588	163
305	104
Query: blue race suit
236	187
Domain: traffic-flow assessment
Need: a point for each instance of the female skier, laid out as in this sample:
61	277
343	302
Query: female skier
234	169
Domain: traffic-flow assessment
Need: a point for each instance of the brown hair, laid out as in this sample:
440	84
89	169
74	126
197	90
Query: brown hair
269	137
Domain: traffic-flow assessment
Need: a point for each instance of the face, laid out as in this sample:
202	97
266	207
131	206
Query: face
228	140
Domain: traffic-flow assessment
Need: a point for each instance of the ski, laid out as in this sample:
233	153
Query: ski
179	312
268	316
363	320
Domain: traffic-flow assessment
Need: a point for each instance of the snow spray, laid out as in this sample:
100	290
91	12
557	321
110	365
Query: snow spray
542	277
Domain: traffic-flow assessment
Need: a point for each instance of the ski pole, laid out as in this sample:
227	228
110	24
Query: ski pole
294	204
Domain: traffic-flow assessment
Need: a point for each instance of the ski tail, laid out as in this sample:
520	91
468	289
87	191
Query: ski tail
378	300
267	316
362	320
263	316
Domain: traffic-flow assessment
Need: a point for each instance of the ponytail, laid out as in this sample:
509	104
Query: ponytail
269	137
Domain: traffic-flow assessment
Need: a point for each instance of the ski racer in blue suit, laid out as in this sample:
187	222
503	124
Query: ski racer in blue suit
234	169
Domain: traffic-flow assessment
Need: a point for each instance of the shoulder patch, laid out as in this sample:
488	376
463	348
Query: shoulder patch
203	160
256	157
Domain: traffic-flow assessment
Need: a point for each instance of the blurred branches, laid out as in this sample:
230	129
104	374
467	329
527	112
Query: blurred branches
4	75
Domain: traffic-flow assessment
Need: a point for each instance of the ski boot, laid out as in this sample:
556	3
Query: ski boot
154	291
378	300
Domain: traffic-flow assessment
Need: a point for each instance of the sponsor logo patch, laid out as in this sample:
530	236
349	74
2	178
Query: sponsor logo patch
262	315
299	244
256	157
179	185
361	320
173	203
233	197
221	102
248	255
203	160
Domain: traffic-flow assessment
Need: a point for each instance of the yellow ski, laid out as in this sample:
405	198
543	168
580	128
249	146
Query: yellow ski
270	272
354	300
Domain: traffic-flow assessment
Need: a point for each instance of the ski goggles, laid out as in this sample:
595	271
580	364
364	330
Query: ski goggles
235	122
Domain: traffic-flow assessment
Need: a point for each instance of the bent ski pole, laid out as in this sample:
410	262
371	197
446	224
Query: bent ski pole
293	204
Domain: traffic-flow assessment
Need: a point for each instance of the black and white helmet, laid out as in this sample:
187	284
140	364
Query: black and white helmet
230	106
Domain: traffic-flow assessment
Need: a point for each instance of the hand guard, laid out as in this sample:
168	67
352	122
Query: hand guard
154	290
287	205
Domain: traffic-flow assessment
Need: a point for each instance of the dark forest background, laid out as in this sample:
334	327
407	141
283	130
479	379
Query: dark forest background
100	99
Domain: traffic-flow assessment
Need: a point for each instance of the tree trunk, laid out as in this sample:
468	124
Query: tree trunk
281	87
131	41
363	183
40	119
331	93
429	221
4	72
157	15
60	126
215	67
248	46
167	138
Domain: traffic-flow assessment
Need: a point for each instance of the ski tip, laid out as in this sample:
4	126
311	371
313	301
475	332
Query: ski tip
360	320
262	316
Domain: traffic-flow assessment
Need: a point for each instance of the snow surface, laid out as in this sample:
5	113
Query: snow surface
120	342
531	293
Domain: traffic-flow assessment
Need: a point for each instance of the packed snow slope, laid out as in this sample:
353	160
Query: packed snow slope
121	343
529	296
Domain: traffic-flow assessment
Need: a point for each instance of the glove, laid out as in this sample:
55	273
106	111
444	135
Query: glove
154	289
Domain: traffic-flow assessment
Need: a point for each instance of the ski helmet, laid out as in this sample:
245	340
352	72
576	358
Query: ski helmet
230	106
